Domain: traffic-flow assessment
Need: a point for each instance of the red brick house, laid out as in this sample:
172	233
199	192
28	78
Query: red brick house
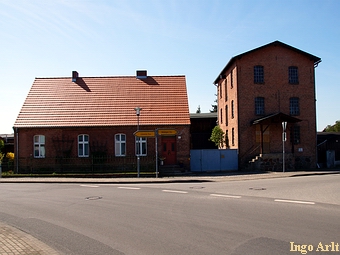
87	124
257	91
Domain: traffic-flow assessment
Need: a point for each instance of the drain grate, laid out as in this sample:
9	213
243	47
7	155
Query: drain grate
257	188
94	198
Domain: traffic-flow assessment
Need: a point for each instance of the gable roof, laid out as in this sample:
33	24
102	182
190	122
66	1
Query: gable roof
316	60
105	101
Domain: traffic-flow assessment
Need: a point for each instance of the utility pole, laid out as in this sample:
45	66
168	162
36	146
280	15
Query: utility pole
284	139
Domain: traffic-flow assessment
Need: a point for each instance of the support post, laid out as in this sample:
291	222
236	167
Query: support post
284	139
156	145
138	109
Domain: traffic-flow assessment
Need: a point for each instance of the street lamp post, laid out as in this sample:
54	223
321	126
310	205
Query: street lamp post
284	139
138	109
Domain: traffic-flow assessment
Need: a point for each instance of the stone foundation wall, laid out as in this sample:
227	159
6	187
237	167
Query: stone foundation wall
273	162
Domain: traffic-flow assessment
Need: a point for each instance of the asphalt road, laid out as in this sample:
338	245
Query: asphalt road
267	216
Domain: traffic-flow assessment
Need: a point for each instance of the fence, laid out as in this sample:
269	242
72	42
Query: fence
213	160
7	165
106	164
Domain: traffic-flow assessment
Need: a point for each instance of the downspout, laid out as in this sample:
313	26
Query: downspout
217	109
316	133
16	150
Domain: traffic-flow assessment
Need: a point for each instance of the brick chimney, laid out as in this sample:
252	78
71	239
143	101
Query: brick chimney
75	76
141	74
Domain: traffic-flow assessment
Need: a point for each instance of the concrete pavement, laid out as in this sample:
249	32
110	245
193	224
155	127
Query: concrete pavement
16	242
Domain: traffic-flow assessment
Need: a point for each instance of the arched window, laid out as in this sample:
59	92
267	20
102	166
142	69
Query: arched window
221	116
232	136
226	115
232	109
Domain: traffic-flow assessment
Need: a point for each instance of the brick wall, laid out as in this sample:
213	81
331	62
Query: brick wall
229	107
101	139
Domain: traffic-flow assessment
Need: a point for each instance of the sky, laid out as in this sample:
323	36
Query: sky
195	38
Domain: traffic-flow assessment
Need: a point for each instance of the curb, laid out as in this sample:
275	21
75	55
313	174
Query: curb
175	179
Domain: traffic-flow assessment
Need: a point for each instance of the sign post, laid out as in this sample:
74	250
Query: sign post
138	109
284	139
156	148
154	133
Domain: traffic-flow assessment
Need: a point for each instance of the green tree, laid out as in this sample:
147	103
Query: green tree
198	109
333	128
214	106
218	136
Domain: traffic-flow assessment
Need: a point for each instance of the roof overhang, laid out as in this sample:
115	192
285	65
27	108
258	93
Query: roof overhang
275	118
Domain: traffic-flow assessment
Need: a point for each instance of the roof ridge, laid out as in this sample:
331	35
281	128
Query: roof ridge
118	76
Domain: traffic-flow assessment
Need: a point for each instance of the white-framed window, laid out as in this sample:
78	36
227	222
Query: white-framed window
120	145
83	145
39	146
141	146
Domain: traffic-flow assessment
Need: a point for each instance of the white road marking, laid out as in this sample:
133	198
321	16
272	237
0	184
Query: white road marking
294	201
227	196
174	191
127	188
89	186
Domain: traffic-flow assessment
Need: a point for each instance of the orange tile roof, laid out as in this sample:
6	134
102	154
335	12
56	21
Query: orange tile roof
105	101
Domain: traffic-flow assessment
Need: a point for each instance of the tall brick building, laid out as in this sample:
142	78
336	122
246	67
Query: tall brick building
257	91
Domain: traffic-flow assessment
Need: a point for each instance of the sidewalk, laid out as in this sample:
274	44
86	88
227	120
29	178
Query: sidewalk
16	242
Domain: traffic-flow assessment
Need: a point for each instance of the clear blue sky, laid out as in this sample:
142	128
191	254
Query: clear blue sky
42	38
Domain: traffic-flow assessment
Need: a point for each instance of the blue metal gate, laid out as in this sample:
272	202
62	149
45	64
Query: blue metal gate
213	160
